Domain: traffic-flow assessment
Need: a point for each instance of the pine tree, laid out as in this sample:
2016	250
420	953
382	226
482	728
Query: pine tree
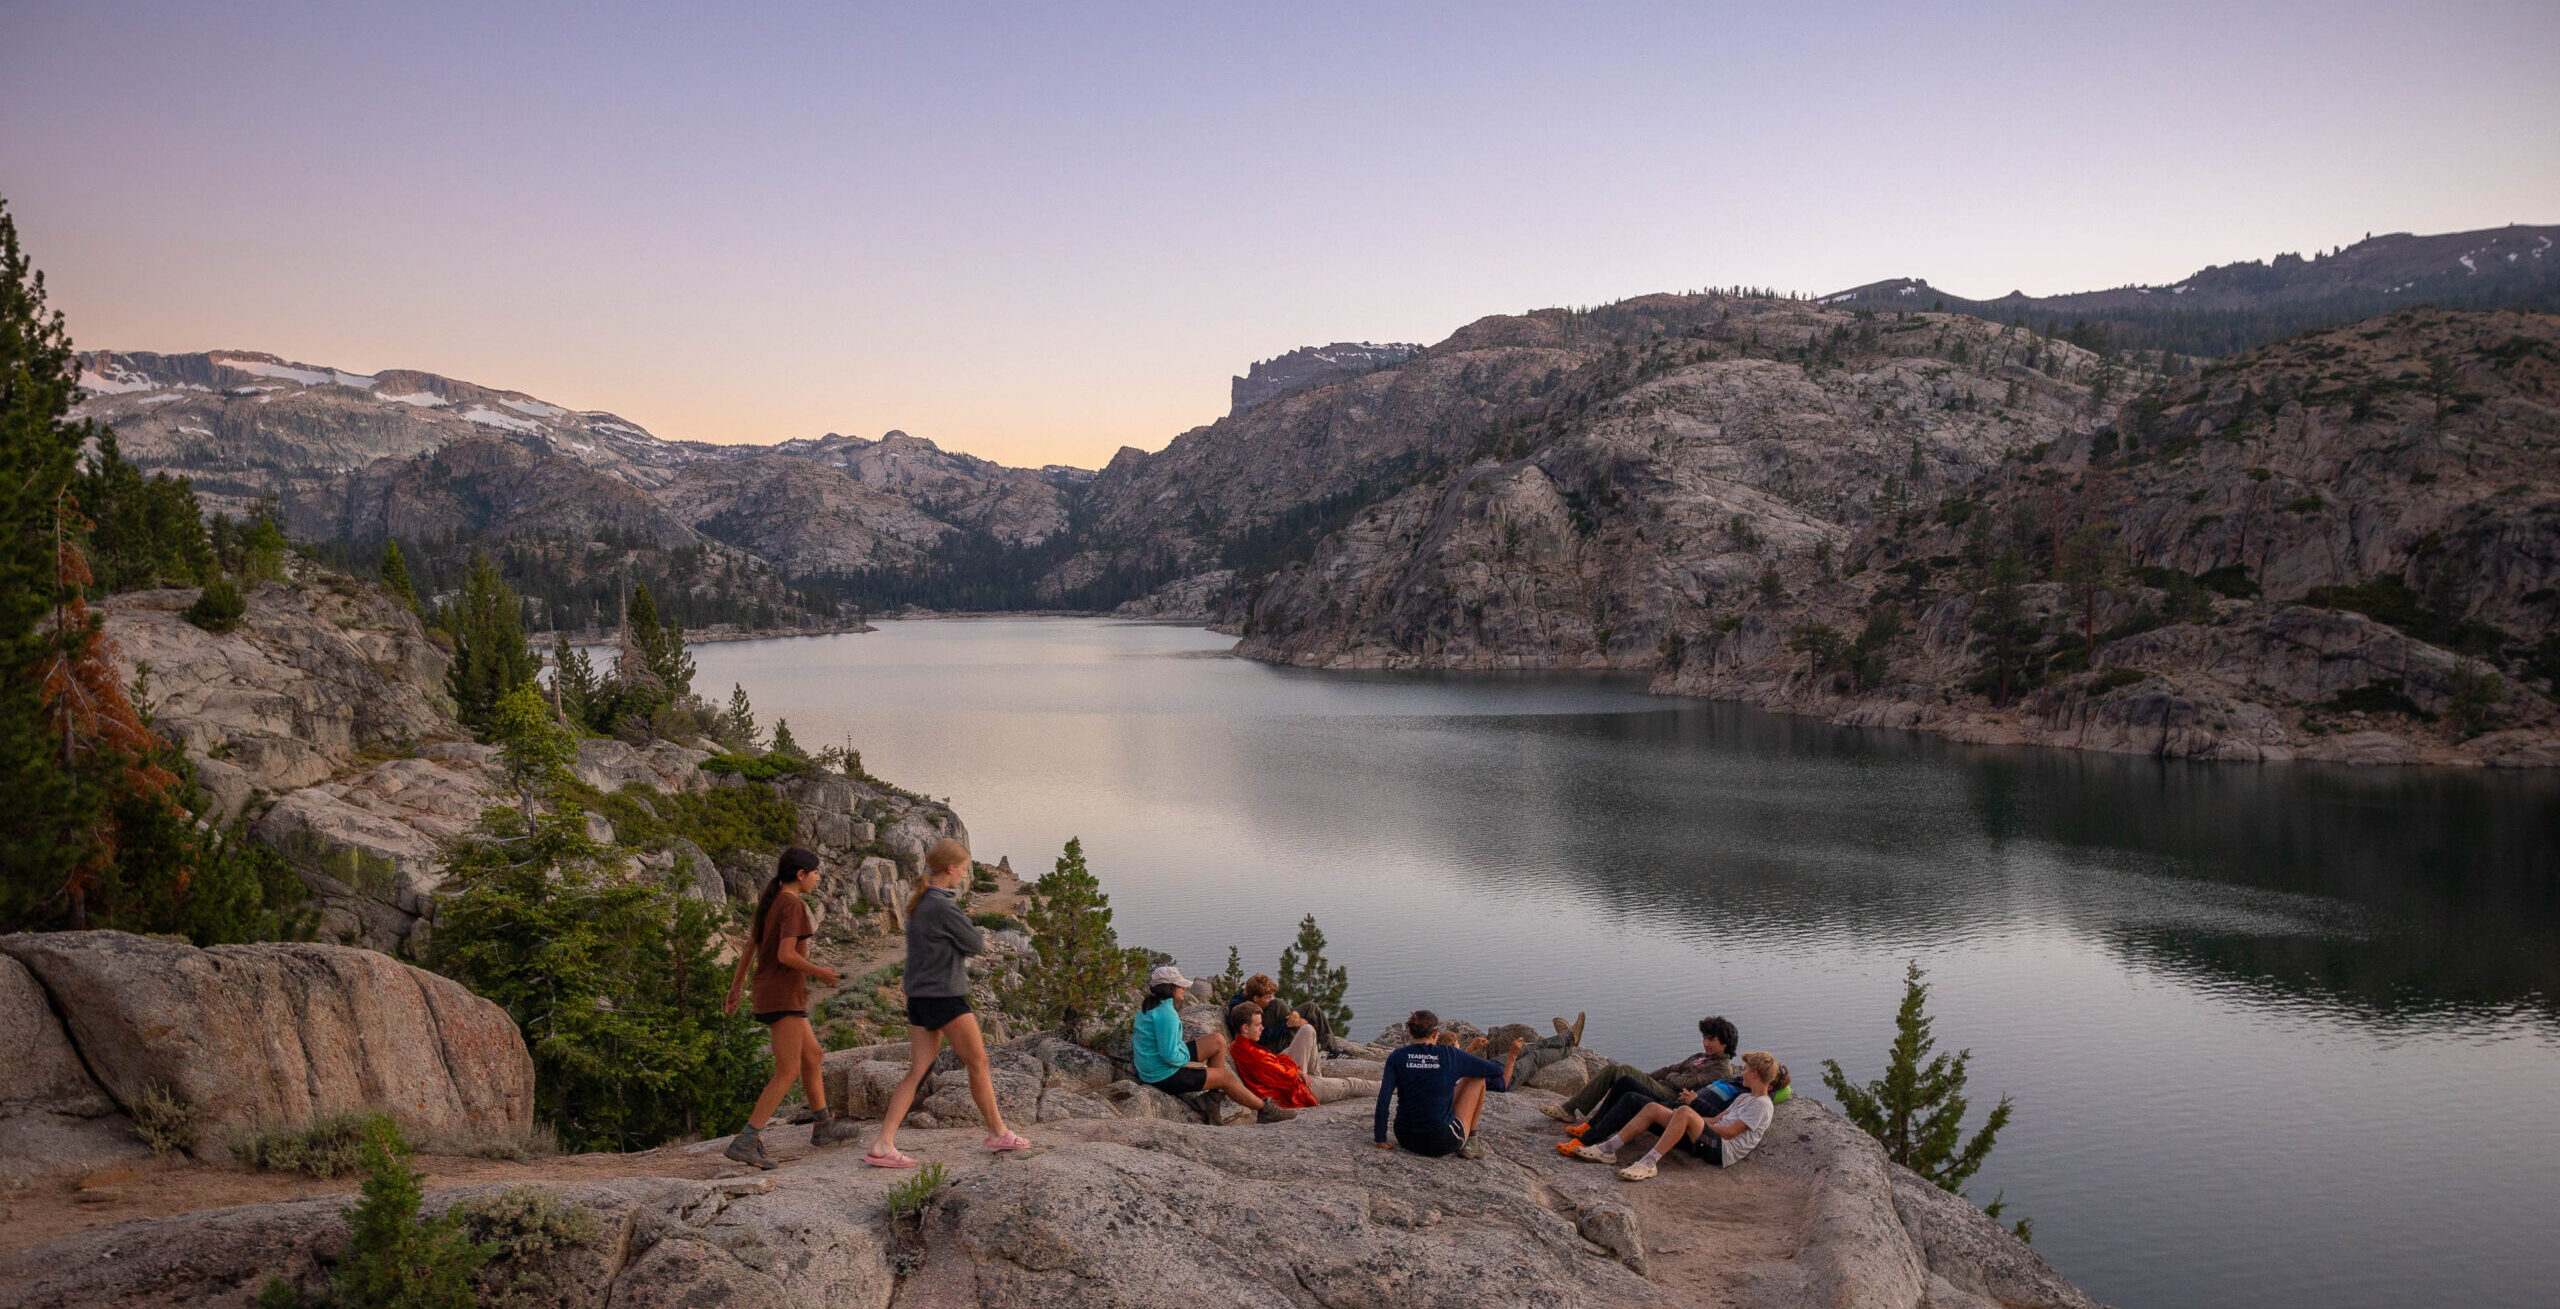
574	686
738	725
2089	557
1306	978
2006	636
46	828
1917	1108
783	744
660	647
1080	974
395	575
141	532
393	1258
263	551
490	656
612	977
1232	980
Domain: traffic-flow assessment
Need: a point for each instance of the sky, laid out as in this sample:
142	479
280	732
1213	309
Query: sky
1040	233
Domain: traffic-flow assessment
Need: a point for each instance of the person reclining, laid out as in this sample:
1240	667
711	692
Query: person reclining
1724	1140
1279	1080
1716	1037
1302	1033
1164	1060
1442	1091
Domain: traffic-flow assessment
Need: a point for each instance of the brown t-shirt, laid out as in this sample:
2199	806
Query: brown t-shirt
779	986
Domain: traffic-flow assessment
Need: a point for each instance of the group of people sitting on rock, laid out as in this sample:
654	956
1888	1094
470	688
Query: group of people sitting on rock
1270	1057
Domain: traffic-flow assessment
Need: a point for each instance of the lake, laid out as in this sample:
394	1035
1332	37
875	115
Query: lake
2277	1035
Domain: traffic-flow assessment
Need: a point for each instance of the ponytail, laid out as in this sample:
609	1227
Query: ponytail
916	901
945	855
793	862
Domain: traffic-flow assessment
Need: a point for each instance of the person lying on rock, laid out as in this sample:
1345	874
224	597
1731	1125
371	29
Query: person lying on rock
1723	1140
779	961
1304	1034
1281	1081
1436	1091
940	940
1165	1060
1538	1053
1716	1037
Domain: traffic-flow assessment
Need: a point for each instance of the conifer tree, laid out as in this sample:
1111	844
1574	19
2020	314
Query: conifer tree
1306	977
141	532
1080	974
263	551
660	646
2006	637
574	686
395	575
783	744
1917	1108
2089	557
738	725
490	656
612	977
44	829
393	1258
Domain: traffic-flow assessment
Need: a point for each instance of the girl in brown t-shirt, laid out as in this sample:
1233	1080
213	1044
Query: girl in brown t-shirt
779	961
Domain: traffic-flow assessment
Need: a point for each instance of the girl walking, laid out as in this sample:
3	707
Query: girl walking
779	961
940	940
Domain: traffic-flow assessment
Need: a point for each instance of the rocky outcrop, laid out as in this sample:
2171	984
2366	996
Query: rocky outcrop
1155	1210
1309	367
54	1117
321	671
250	1036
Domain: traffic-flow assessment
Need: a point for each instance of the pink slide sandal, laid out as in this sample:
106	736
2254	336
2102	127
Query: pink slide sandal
1011	1140
893	1159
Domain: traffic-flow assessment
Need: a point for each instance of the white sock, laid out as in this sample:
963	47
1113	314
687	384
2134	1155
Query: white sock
1609	1146
1653	1156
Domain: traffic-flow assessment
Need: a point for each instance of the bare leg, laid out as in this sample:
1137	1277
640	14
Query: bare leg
1646	1119
1469	1102
795	1059
971	1045
922	1046
1223	1078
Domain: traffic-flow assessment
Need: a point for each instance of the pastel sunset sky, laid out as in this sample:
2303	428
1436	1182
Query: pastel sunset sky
1038	233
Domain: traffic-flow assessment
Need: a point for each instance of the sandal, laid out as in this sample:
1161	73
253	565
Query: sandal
894	1159
1011	1140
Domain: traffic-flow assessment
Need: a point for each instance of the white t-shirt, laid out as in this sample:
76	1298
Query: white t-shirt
1754	1112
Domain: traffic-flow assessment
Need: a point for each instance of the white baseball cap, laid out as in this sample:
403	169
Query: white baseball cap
1167	976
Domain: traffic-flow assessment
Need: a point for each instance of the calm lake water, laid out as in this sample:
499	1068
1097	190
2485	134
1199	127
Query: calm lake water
2277	1035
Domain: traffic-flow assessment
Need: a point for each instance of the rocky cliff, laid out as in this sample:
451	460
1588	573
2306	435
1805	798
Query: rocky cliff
1134	1201
2335	547
1308	367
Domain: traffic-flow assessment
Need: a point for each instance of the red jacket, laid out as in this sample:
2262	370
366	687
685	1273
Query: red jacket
1271	1076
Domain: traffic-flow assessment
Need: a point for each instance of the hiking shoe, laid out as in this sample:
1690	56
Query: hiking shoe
748	1148
1576	1033
1636	1172
1585	1150
1471	1148
833	1128
1272	1113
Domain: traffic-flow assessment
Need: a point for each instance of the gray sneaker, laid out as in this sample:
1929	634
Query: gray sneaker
832	1128
749	1149
1471	1149
1272	1113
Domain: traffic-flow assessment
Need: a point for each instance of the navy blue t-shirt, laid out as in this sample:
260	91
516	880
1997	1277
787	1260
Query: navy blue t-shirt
1427	1077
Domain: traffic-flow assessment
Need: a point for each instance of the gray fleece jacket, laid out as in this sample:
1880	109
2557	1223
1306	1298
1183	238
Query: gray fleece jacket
940	940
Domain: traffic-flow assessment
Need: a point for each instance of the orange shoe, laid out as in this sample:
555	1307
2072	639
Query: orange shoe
1566	1148
1577	1130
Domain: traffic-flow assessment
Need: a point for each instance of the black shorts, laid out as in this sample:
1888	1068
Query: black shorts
935	1012
779	1014
1186	1080
1434	1144
1706	1145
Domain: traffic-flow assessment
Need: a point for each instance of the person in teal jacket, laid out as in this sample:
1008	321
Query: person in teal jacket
1165	1060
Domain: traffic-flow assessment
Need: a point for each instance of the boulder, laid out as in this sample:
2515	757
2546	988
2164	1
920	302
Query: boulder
1136	1100
1017	1097
1058	1105
45	1073
860	1087
275	1034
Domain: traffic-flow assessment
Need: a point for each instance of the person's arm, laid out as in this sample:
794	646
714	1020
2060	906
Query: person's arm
1728	1126
794	955
1497	1076
738	979
1386	1093
965	936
